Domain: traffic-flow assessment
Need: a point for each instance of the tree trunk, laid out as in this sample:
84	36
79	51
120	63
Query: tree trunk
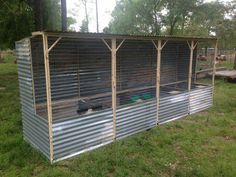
86	14
63	15
97	16
38	15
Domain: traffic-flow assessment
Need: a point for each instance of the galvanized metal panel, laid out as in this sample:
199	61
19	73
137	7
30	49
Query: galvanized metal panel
173	107
131	119
82	133
201	98
35	128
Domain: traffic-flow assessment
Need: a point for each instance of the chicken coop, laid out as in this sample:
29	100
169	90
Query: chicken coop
80	91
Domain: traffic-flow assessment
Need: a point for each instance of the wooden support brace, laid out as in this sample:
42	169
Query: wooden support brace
120	44
105	42
55	43
48	93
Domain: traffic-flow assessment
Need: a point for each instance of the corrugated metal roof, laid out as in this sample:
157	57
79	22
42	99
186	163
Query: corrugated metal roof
122	36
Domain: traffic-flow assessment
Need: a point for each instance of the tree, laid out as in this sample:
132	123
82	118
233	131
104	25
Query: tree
84	26
16	21
178	12
18	18
206	19
85	23
136	17
63	15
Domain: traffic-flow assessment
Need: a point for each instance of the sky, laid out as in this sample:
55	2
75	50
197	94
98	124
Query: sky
76	10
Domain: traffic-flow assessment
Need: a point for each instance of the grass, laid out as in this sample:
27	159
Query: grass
203	144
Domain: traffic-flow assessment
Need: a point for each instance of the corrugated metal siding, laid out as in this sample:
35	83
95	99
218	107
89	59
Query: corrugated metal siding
80	134
135	118
201	99
35	129
82	68
173	107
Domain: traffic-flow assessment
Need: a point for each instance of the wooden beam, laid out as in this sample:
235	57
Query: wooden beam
48	93
120	44
32	72
158	47
105	42
113	74
53	45
192	46
158	78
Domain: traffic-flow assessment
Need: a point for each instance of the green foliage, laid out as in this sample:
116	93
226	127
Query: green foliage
180	17
136	17
17	19
84	26
203	144
16	22
178	14
51	15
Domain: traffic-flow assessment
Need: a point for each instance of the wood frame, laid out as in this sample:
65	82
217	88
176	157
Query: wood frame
110	36
48	93
191	47
161	42
46	51
158	47
114	48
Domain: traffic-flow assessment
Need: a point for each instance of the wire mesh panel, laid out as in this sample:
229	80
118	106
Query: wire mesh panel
39	77
80	73
136	87
80	77
174	96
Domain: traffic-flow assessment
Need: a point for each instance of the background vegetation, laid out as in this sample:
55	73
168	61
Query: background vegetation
18	18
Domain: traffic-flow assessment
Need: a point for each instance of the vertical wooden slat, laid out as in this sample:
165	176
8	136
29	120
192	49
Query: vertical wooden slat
158	80
113	73
48	92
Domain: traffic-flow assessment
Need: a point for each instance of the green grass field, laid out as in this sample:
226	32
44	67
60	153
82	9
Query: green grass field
200	145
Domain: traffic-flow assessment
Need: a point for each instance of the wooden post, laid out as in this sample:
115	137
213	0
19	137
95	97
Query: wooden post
158	47
113	74
63	15
191	47
113	50
214	64
48	92
158	79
